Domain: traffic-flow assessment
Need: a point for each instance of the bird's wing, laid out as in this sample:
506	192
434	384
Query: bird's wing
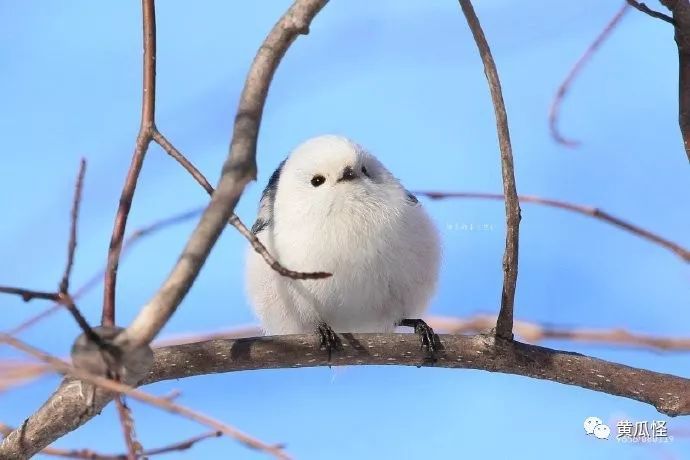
411	199
265	217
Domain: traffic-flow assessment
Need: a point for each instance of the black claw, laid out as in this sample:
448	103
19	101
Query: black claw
329	339
426	334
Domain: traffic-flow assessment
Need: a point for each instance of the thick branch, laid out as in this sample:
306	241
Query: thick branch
18	373
667	393
504	325
681	17
238	170
66	410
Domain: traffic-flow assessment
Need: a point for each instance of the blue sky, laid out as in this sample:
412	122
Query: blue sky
404	79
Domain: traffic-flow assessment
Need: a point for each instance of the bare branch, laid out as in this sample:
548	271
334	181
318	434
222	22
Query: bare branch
143	140
532	332
17	373
504	325
238	170
72	244
681	18
554	110
62	297
87	454
647	10
28	295
59	416
590	211
133	237
535	333
66	409
127	423
668	394
183	445
182	160
234	220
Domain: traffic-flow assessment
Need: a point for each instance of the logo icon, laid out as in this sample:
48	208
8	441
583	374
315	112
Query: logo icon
594	425
602	431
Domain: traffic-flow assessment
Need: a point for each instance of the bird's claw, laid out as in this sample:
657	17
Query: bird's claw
329	340
426	334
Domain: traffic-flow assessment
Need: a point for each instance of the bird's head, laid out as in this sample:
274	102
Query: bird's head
329	175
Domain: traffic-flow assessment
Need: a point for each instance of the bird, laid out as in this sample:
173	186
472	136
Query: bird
332	206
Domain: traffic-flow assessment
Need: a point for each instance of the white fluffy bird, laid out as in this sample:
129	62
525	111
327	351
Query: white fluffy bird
331	206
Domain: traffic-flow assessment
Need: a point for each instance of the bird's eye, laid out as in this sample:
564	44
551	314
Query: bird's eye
317	180
364	171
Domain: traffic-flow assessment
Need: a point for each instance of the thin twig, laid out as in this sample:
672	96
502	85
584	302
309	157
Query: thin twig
117	387
535	333
87	454
504	325
148	108
17	373
590	211
127	423
28	295
234	220
72	244
62	297
238	170
92	282
647	10
182	160
555	109
183	445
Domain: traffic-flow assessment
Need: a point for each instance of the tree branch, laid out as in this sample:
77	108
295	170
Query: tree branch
127	422
535	332
74	219
18	373
647	10
234	220
681	17
504	325
667	393
238	170
133	237
41	429
555	109
66	409
88	454
148	109
590	211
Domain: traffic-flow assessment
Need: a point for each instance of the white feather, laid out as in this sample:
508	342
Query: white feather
377	241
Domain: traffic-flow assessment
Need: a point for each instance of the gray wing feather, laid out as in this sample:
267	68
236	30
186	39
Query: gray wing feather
265	217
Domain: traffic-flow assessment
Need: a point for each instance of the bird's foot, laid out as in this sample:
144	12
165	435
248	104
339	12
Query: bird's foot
427	337
329	339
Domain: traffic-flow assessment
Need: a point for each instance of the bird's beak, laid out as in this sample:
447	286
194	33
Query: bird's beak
348	174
